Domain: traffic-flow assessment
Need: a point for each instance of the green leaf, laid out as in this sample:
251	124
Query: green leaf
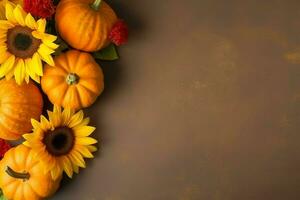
2	197
109	53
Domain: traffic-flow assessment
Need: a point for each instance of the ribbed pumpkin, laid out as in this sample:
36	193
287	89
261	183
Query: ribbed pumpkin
18	104
85	24
22	176
74	82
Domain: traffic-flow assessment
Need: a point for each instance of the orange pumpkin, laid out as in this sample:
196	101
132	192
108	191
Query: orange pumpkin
85	24
22	176
74	82
18	104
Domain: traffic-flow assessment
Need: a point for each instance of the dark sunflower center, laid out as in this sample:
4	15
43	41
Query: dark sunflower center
21	43
59	141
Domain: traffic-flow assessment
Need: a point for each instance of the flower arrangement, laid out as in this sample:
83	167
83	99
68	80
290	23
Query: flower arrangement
53	44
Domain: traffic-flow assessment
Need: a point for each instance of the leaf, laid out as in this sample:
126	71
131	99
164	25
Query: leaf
2	197
109	53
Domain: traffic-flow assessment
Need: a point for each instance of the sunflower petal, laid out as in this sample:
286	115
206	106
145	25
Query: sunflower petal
18	14
30	22
56	172
44	53
20	71
30	70
78	159
7	66
84	131
76	119
9	12
41	25
66	116
92	148
36	64
86	140
67	166
84	151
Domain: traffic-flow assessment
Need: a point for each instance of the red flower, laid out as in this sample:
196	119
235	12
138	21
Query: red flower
4	147
40	8
119	33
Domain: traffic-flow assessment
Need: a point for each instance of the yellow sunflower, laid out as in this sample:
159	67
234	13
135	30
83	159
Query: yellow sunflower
23	45
62	142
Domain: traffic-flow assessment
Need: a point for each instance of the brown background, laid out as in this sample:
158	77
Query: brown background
203	105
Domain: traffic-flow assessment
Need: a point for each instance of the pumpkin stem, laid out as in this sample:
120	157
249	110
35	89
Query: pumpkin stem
14	174
96	5
72	79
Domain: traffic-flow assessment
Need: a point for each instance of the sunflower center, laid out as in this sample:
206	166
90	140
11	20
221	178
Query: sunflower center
21	43
60	141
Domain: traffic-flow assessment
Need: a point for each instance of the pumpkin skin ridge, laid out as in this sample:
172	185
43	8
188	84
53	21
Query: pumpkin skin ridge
88	89
84	26
8	135
19	103
90	76
28	190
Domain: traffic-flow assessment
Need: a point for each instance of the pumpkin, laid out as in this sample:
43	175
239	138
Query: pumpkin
85	24
22	176
18	104
74	82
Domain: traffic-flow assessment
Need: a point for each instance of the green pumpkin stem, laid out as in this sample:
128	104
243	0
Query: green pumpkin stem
96	5
17	175
72	79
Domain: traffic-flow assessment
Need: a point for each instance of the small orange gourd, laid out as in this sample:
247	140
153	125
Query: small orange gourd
74	82
85	24
18	104
22	176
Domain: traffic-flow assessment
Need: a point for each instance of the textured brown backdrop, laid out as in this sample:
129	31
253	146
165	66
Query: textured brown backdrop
203	105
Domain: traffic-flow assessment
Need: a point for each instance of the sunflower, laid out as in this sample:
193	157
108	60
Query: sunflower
62	142
23	45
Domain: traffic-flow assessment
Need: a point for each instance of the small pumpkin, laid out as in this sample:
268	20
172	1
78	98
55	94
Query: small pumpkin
22	176
18	104
74	82
85	24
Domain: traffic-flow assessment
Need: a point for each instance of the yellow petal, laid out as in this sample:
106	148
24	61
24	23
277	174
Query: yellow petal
9	12
76	119
56	172
84	151
67	166
36	64
57	110
19	15
84	131
5	25
66	116
35	124
86	140
77	159
92	148
41	25
48	38
84	122
7	66
20	71
45	56
30	69
30	22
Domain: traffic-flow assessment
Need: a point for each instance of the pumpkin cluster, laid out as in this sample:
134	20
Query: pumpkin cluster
48	50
